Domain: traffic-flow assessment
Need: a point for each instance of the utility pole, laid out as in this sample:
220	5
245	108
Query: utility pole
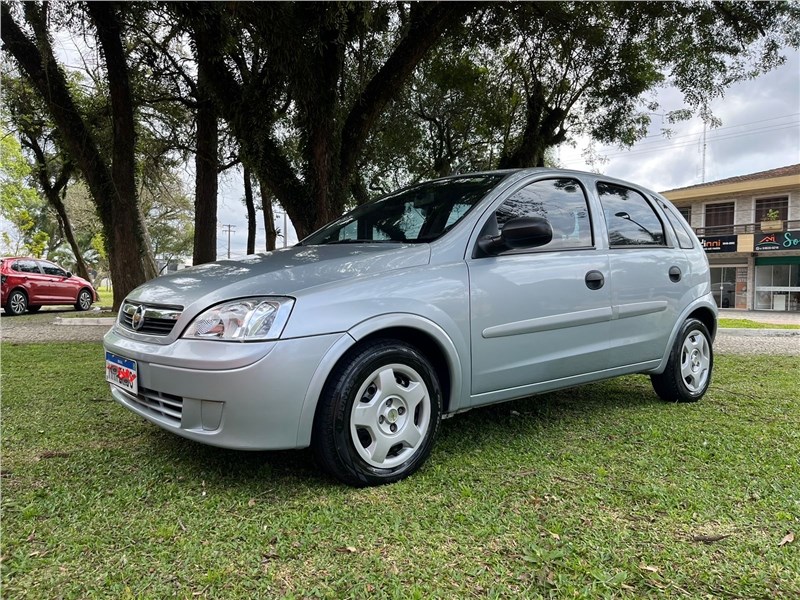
230	229
705	147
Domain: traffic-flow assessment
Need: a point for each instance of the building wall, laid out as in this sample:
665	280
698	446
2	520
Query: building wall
751	269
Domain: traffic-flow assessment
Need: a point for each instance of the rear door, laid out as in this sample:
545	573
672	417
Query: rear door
31	280
541	314
649	275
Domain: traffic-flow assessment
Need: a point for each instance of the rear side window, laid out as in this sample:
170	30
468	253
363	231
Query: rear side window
562	202
630	219
679	225
25	266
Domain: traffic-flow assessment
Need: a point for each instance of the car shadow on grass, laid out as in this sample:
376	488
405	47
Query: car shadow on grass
481	428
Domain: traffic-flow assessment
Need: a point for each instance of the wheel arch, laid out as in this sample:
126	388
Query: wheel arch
707	317
85	288
430	339
704	311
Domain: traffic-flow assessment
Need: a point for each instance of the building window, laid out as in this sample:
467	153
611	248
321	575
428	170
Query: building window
686	212
719	219
778	204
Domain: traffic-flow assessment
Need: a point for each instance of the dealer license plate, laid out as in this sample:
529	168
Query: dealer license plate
122	372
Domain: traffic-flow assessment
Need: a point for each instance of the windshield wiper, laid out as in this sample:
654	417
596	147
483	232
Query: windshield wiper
354	241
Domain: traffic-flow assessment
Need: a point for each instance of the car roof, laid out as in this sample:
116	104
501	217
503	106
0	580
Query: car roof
522	172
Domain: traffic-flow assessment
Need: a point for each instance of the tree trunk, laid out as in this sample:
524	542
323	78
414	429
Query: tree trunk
130	242
269	216
53	192
543	130
54	198
130	260
206	170
251	212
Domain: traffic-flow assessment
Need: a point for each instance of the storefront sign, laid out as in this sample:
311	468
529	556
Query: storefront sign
720	243
782	240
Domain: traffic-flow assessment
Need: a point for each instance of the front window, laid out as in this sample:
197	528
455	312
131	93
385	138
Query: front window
562	202
49	268
421	213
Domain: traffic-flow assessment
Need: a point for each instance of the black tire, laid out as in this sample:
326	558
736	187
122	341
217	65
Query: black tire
16	303
35	308
690	365
84	301
378	415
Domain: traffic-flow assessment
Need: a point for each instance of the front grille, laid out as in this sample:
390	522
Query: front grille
166	406
151	320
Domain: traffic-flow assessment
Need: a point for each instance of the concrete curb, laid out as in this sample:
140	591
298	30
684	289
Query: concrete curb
107	321
758	332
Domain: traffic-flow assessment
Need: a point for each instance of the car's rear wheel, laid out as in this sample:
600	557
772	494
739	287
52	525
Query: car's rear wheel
689	367
378	415
17	303
84	300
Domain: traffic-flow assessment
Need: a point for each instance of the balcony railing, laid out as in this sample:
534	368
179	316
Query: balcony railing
716	230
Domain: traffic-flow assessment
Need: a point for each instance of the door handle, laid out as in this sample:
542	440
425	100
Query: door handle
594	280
674	274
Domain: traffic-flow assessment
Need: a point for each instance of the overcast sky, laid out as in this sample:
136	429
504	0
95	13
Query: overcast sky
760	130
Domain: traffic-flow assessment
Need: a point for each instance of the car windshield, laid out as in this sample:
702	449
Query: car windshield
420	213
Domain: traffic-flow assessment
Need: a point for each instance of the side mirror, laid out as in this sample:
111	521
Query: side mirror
521	232
69	274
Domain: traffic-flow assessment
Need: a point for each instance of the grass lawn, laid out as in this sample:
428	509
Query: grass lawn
600	491
748	324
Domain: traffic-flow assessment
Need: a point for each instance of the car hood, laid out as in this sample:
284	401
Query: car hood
283	272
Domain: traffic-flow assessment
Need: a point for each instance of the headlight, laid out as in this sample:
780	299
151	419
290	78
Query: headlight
245	320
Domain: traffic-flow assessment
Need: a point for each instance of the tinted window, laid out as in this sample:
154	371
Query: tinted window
25	266
630	219
679	226
51	269
562	202
417	214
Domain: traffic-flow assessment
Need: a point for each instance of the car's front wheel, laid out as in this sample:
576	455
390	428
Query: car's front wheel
378	415
688	372
84	300
17	303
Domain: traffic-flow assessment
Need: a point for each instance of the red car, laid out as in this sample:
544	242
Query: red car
30	283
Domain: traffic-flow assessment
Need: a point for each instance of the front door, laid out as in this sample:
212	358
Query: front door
542	314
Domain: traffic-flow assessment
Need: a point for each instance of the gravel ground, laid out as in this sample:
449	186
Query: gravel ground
40	328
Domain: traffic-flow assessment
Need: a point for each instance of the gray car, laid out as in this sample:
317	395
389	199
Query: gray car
444	296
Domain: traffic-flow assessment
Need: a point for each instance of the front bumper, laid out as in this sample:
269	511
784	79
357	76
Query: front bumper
227	394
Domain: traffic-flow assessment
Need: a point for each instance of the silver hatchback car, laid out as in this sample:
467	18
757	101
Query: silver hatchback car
441	297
